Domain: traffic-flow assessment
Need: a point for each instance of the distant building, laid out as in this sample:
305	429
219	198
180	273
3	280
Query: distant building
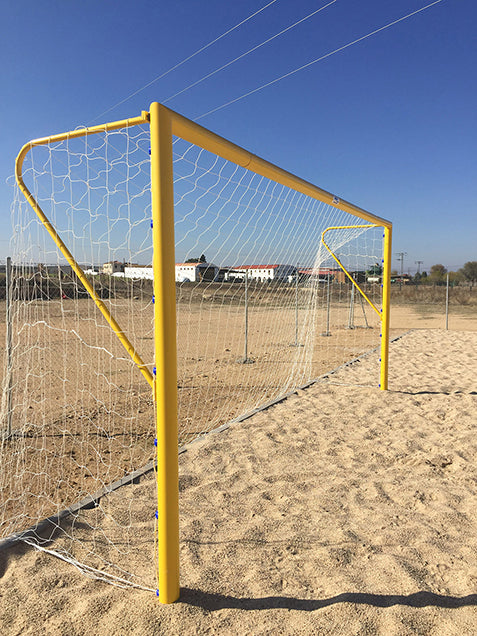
112	267
196	272
262	273
91	271
139	271
322	274
405	279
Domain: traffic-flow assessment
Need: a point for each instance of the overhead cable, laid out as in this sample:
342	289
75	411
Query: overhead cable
186	59
318	59
221	68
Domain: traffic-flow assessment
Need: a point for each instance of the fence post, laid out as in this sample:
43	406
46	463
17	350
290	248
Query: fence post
246	359
351	309
296	343
245	355
328	302
8	299
447	302
296	307
364	312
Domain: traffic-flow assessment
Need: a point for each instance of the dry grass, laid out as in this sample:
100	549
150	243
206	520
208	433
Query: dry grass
433	295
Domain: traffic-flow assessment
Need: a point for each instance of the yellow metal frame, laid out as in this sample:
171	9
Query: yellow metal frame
193	133
349	227
81	132
162	193
383	384
384	312
165	123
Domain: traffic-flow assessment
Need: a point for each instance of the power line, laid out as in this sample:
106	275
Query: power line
318	59
186	59
221	68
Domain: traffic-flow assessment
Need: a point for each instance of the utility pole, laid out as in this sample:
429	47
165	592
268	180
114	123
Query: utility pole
401	256
419	263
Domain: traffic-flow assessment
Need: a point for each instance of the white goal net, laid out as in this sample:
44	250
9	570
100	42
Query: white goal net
262	309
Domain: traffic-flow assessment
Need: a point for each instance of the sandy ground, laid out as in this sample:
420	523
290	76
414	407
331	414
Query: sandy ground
84	414
342	510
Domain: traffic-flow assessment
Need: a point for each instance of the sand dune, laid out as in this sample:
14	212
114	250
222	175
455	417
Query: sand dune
343	510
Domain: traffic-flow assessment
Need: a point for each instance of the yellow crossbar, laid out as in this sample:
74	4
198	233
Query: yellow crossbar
195	134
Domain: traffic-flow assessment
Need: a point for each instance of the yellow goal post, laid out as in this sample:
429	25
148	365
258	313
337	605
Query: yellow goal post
164	124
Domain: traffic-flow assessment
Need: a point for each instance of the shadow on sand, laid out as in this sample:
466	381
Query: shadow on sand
214	602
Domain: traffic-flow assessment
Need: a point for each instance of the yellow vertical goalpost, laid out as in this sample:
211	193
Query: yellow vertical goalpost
165	123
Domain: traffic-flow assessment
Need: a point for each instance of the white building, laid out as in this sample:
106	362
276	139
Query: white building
112	267
196	272
139	271
263	273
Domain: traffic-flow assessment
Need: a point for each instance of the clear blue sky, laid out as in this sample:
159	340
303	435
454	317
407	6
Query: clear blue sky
389	123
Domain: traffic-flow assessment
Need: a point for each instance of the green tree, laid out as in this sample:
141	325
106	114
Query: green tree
375	270
201	259
437	274
455	277
469	271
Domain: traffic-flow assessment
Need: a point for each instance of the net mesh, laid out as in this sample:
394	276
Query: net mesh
262	308
265	302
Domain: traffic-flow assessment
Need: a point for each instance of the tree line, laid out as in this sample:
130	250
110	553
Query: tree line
438	275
